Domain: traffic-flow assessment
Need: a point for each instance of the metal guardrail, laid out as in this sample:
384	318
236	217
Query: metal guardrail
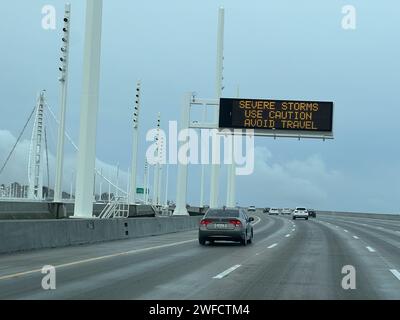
117	208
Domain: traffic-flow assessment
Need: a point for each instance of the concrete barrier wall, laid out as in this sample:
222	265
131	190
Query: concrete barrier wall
26	210
22	235
359	214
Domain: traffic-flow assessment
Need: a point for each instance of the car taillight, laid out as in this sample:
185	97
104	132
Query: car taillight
237	223
205	222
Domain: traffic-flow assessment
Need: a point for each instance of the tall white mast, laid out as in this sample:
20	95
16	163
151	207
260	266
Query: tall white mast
89	109
135	140
35	158
64	86
214	189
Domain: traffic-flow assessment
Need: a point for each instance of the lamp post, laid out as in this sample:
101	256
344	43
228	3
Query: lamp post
64	86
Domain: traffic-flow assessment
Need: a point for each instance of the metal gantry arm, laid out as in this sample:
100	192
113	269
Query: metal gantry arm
203	103
185	123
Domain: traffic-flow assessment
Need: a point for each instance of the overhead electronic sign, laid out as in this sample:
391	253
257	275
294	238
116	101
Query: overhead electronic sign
280	116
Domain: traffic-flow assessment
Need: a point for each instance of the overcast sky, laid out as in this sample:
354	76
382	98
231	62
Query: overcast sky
273	49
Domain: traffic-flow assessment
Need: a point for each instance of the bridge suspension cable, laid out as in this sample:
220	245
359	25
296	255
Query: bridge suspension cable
98	172
18	140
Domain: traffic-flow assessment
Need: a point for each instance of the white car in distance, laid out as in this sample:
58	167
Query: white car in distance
273	211
300	212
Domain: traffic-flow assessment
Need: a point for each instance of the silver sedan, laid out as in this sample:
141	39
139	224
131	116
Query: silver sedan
226	225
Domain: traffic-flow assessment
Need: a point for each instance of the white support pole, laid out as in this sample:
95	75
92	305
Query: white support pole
181	188
154	195
148	184
94	186
231	184
35	157
135	142
101	184
64	89
166	184
203	167
109	191
160	168
157	165
214	190
128	182
145	182
117	182
72	186
89	110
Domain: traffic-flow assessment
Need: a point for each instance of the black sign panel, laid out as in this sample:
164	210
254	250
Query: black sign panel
309	116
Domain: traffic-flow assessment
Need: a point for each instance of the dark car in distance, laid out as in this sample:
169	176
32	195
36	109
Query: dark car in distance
312	213
226	224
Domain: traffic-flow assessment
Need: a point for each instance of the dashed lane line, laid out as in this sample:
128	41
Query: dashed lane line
395	273
226	272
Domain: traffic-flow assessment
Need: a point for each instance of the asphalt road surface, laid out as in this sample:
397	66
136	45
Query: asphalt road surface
288	260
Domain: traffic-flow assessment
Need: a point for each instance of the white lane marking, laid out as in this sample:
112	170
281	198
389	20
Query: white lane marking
259	220
226	272
272	246
371	249
355	237
395	273
346	230
97	259
287	236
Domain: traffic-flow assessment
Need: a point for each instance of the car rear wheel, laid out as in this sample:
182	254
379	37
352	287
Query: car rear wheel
306	218
202	241
244	241
294	218
250	241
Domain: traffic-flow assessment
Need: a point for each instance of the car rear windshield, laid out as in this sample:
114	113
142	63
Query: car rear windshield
301	209
223	213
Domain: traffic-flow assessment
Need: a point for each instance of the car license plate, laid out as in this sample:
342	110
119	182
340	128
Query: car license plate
220	225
